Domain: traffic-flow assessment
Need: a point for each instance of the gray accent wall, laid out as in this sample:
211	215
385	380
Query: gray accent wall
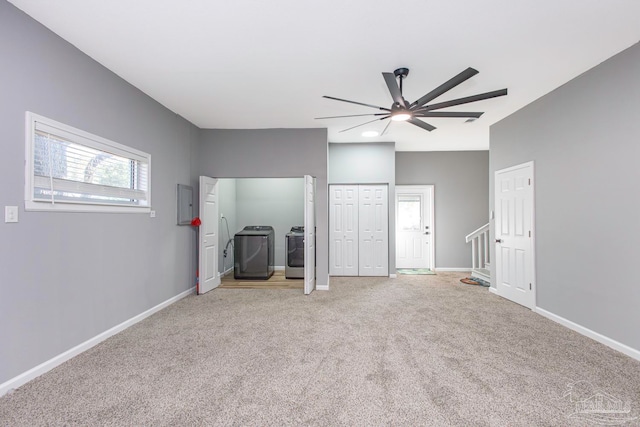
273	153
461	194
370	163
584	138
67	277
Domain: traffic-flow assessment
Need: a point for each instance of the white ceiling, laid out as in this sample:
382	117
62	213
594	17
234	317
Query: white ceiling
266	64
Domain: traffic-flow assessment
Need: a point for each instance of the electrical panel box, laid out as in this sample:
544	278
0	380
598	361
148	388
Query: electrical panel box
185	204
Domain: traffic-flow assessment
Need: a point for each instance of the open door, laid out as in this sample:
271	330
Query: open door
309	234
208	236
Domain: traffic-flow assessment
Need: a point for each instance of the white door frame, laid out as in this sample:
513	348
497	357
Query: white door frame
424	189
530	302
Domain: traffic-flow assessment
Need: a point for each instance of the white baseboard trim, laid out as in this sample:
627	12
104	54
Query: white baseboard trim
323	287
494	291
393	276
44	367
278	267
453	269
622	348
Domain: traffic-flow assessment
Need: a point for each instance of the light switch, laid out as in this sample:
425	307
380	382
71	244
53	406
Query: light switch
152	214
10	214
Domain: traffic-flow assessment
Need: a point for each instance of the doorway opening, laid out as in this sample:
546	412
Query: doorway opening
252	218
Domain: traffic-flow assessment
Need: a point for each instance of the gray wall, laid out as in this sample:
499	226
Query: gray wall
461	194
584	138
371	163
67	277
273	153
278	202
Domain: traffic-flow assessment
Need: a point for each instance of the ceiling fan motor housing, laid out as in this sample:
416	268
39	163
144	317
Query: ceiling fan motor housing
401	72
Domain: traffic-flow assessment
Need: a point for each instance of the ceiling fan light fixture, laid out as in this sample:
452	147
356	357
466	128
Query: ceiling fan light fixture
400	116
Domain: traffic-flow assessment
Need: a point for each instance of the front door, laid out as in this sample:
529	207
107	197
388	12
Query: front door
414	226
514	255
208	236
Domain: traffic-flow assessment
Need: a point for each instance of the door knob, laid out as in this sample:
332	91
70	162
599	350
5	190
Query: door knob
498	240
426	232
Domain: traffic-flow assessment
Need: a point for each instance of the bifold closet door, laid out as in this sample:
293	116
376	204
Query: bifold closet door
343	234
359	235
373	230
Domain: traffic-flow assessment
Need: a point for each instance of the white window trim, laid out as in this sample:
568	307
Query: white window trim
93	140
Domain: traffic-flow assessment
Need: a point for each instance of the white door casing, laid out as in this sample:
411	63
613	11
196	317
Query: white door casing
373	230
514	234
309	235
343	234
209	278
414	226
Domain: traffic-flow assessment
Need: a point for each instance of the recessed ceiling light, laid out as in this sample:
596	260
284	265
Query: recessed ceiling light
370	133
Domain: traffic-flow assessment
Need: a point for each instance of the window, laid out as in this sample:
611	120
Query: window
71	170
409	212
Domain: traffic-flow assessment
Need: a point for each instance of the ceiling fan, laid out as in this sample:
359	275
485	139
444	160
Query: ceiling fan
402	110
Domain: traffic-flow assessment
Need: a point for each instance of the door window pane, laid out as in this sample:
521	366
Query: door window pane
409	212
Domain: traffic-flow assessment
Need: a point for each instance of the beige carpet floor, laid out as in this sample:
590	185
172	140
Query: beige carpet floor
416	350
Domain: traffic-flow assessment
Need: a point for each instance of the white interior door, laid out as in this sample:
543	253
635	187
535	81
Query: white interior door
208	236
373	230
309	234
414	226
343	226
514	255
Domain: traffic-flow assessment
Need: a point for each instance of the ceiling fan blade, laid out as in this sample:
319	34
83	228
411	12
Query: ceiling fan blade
448	85
392	84
366	123
386	127
352	115
464	114
357	103
466	100
421	124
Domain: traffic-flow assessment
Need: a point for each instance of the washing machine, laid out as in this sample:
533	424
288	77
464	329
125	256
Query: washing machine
254	252
294	249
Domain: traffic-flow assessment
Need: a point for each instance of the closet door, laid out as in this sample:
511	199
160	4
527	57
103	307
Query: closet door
343	226
373	207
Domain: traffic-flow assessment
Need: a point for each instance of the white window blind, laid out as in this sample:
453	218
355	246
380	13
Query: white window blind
76	170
